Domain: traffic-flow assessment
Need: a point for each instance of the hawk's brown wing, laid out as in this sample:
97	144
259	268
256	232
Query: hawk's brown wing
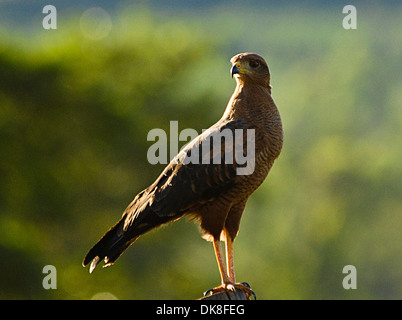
183	185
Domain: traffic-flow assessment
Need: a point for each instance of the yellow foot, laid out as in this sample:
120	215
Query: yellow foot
244	286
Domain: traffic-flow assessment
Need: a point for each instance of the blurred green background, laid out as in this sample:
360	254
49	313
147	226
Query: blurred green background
76	105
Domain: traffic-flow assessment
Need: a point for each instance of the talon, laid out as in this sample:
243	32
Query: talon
244	286
209	292
254	295
230	287
215	290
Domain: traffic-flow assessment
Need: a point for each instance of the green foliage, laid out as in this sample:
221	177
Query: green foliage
74	118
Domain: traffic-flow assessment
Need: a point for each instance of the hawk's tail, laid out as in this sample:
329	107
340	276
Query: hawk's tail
117	239
110	246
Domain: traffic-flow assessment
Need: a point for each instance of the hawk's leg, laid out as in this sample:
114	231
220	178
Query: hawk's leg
228	277
230	259
226	283
221	264
230	267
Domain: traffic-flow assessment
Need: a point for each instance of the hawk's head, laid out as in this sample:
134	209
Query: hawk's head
248	67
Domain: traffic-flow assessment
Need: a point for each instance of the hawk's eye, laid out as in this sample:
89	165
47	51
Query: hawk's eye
254	64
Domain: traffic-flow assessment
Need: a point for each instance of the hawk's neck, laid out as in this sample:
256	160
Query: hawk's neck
250	101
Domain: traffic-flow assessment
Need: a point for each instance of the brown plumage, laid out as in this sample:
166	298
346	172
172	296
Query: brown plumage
214	193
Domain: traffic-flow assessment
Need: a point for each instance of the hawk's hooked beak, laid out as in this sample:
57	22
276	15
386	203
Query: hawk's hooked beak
234	70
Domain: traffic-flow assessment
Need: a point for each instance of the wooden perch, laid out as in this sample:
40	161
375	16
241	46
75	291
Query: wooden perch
226	295
229	295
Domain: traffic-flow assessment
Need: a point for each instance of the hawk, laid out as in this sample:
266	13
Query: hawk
213	192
